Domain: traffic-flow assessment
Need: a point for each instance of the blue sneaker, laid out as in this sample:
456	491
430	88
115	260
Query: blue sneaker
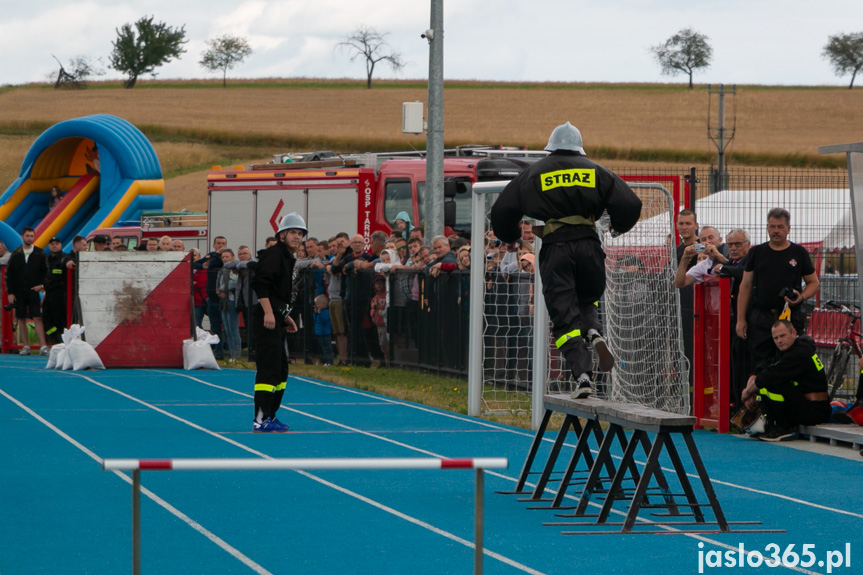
269	426
283	426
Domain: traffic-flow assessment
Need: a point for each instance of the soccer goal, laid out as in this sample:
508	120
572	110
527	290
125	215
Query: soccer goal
511	347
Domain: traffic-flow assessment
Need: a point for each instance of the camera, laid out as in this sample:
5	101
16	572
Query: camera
9	307
284	311
699	247
786	292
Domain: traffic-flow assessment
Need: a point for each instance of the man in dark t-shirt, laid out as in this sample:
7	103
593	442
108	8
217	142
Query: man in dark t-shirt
772	278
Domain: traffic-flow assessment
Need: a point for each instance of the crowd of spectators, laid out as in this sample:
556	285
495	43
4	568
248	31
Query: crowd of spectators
358	304
354	304
770	283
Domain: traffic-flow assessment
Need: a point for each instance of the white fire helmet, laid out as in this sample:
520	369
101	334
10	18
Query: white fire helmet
566	137
293	221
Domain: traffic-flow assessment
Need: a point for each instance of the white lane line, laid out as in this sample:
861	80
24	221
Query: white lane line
695	536
161	502
493	426
381	506
645	521
486	424
461	418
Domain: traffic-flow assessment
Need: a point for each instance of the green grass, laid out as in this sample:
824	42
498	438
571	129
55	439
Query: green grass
23	128
425	388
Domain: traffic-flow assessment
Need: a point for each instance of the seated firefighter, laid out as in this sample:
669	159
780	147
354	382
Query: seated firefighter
791	385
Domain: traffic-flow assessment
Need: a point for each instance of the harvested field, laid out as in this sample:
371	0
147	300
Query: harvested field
194	126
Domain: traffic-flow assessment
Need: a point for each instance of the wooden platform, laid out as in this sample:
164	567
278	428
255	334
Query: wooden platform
647	485
835	433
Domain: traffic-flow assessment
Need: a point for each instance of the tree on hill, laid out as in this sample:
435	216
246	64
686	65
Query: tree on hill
368	43
149	45
683	53
80	70
845	52
224	53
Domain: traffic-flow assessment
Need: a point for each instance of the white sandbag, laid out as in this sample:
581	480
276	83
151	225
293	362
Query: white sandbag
61	357
67	360
55	353
197	353
64	361
74	331
83	356
205	336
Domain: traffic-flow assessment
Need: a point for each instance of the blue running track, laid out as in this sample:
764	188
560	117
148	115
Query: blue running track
61	514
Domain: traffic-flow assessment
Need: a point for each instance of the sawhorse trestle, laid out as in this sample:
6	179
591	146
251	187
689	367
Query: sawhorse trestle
603	481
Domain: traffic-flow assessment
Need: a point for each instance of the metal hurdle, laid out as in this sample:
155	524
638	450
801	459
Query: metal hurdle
136	466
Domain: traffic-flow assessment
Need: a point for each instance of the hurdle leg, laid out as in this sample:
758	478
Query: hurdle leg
705	481
603	458
479	521
684	480
660	476
618	476
136	522
569	420
531	454
649	469
624	445
581	449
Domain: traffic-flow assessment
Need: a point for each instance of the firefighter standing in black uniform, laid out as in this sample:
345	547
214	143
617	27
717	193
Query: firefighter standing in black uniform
271	321
54	302
569	193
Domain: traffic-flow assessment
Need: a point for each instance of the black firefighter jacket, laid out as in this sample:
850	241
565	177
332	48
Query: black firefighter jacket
560	185
274	275
797	367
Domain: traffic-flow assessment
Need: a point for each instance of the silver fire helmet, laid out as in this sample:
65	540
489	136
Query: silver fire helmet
566	137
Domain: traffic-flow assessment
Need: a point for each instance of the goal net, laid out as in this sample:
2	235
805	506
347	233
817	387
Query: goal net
640	313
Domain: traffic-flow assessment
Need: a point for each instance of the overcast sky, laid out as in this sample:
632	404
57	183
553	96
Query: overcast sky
754	41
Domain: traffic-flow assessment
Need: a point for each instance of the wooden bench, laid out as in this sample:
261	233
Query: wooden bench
605	476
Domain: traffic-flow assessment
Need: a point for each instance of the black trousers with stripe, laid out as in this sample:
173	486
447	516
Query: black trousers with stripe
271	356
54	314
573	280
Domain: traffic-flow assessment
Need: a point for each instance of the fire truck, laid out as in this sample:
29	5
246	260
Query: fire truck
191	227
355	194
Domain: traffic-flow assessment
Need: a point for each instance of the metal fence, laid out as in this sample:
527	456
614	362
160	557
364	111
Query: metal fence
432	334
428	333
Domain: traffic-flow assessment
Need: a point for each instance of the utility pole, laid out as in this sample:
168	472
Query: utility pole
719	135
433	199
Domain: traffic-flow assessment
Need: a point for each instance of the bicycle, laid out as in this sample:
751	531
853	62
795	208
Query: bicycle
845	346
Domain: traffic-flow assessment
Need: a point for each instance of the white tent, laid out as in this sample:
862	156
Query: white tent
818	216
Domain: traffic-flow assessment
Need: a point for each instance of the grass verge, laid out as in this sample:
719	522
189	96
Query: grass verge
429	389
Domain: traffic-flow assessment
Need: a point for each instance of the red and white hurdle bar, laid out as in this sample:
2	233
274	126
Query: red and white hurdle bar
248	464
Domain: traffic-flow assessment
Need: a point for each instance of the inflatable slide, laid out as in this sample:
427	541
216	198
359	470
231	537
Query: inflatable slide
106	168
